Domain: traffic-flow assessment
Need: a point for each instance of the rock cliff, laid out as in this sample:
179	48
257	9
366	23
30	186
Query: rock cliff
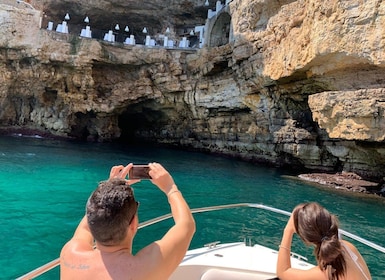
299	83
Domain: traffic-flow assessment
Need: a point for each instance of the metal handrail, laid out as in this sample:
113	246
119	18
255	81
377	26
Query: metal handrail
40	270
52	264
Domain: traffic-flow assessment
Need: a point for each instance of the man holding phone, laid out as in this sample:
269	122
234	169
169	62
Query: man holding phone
101	247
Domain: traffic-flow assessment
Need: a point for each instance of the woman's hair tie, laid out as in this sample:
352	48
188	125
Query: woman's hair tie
324	238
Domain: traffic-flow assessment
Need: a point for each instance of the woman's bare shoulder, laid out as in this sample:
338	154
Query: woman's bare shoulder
350	246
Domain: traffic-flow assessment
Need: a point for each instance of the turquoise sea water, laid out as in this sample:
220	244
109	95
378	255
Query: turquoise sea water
44	185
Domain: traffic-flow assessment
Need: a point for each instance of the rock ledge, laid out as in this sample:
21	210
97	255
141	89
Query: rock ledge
347	181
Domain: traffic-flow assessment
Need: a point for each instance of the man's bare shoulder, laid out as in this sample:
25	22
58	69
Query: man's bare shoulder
76	244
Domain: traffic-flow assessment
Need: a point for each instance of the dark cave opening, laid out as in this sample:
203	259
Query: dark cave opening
129	124
81	130
140	126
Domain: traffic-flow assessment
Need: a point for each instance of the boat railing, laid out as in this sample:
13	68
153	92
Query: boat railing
54	263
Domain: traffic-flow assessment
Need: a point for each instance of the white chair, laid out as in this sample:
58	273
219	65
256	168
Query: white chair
109	37
86	32
50	26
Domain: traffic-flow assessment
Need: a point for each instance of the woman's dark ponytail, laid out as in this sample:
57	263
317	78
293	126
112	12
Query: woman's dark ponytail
315	225
330	257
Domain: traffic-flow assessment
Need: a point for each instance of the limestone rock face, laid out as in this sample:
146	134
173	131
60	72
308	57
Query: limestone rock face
299	83
351	115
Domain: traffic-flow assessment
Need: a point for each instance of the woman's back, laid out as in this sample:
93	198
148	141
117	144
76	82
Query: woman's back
335	257
356	268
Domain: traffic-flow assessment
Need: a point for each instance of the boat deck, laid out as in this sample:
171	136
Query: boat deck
231	261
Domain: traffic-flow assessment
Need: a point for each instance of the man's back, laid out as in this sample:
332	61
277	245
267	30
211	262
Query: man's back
106	252
89	263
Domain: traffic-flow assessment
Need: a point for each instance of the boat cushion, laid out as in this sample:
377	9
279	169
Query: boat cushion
222	274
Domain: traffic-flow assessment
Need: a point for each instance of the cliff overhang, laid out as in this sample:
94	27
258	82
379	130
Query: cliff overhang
299	84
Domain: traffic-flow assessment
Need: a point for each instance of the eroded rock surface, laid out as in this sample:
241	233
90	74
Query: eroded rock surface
300	83
351	115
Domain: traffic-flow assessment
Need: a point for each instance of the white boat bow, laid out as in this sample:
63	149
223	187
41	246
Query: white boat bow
232	261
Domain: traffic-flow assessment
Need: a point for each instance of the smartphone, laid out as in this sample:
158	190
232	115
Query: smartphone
139	171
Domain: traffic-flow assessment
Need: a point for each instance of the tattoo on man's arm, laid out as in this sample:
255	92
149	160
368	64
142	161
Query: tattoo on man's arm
76	266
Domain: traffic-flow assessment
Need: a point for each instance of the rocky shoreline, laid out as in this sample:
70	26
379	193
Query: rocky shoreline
346	181
30	132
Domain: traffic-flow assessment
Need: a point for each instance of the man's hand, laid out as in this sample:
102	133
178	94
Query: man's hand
161	178
120	171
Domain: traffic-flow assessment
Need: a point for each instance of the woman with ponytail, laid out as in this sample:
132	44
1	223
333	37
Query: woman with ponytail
336	259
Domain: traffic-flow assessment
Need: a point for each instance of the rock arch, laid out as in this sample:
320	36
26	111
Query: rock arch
219	29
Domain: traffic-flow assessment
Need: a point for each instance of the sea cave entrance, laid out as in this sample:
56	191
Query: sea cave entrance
140	124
